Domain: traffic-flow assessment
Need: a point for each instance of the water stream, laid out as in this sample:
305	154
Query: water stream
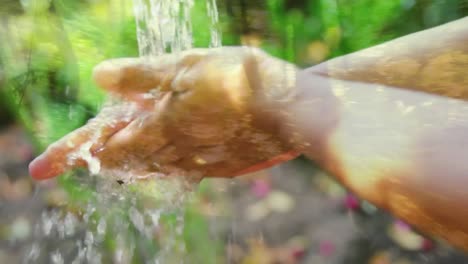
163	26
139	222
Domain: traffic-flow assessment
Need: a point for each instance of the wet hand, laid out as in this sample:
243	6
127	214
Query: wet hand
205	112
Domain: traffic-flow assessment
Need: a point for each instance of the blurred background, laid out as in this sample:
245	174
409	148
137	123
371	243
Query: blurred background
293	213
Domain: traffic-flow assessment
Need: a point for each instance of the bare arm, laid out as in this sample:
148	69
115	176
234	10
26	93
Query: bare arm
403	150
434	60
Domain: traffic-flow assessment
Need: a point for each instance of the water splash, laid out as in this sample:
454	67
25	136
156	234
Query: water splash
117	224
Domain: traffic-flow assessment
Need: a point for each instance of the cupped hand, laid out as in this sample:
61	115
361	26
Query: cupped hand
204	112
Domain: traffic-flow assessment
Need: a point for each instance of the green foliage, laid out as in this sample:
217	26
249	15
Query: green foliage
338	27
201	247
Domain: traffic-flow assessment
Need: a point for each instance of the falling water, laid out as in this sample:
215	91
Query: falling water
137	222
165	25
214	27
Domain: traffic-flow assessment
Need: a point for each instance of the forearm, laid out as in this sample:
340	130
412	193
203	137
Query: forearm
402	150
433	60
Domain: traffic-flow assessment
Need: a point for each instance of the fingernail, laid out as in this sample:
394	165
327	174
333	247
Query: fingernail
107	75
41	168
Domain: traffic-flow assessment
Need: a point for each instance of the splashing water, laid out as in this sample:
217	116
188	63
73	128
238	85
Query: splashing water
118	224
141	221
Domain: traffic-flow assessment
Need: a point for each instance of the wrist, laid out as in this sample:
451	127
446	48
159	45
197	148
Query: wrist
311	114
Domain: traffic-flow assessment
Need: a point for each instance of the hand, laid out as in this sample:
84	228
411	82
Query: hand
209	112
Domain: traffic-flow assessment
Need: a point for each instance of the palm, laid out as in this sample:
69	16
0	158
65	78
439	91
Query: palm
207	118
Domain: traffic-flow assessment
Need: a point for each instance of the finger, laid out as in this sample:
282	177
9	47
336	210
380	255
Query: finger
143	136
57	157
130	76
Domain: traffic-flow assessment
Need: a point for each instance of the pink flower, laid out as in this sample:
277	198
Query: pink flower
326	248
261	188
427	245
298	253
351	202
402	225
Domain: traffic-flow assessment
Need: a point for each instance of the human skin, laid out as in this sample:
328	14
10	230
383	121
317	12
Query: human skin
211	116
388	122
397	147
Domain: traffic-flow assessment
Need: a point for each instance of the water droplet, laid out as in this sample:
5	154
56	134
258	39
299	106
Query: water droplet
56	258
137	219
89	239
33	254
101	228
70	224
47	224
